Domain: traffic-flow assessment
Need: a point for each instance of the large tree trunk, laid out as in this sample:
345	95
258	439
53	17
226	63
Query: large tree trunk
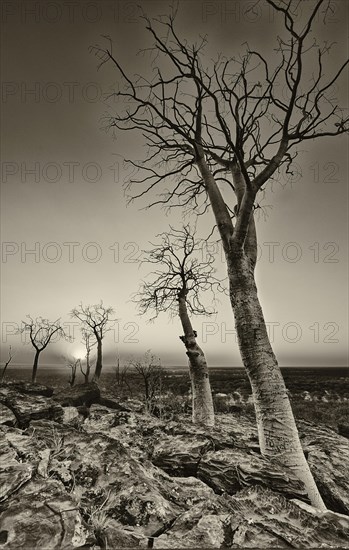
98	369
278	434
35	366
202	403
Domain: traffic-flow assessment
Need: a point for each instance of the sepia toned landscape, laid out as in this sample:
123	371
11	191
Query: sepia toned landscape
174	277
100	466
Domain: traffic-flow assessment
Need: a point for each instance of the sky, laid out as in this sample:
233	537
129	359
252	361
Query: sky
67	233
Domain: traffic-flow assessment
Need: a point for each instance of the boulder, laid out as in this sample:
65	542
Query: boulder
328	457
25	446
69	415
227	470
7	418
131	405
256	517
28	407
265	519
31	389
13	474
180	455
207	532
137	432
228	431
103	472
230	470
343	429
141	497
81	394
114	535
43	515
202	525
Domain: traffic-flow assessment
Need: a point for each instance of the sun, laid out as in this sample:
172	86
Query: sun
79	353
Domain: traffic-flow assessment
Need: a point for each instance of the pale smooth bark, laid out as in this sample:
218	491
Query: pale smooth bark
277	431
202	403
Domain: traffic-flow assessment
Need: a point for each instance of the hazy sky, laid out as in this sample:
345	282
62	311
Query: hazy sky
66	231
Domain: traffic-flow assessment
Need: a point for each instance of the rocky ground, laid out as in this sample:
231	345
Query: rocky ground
81	470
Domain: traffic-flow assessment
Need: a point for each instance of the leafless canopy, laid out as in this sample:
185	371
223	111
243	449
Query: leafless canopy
234	109
184	267
72	363
41	331
96	319
151	372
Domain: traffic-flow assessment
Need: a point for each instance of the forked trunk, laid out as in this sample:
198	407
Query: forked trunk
98	369
277	431
35	366
202	403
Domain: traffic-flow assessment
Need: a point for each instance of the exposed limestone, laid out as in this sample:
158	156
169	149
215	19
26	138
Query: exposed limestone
122	479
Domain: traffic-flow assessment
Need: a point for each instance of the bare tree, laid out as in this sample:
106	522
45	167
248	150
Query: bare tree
97	320
218	134
117	370
176	287
86	339
150	370
41	332
123	376
10	357
72	364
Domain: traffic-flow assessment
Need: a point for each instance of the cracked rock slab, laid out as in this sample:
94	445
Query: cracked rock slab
29	407
42	515
230	470
13	476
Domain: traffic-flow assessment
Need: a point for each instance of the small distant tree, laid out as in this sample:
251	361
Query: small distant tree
117	369
87	341
151	372
10	357
95	319
123	376
41	332
72	364
176	287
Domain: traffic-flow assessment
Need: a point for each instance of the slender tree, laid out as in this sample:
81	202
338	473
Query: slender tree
218	134
10	357
72	364
96	319
176	286
41	332
151	372
123	376
87	341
